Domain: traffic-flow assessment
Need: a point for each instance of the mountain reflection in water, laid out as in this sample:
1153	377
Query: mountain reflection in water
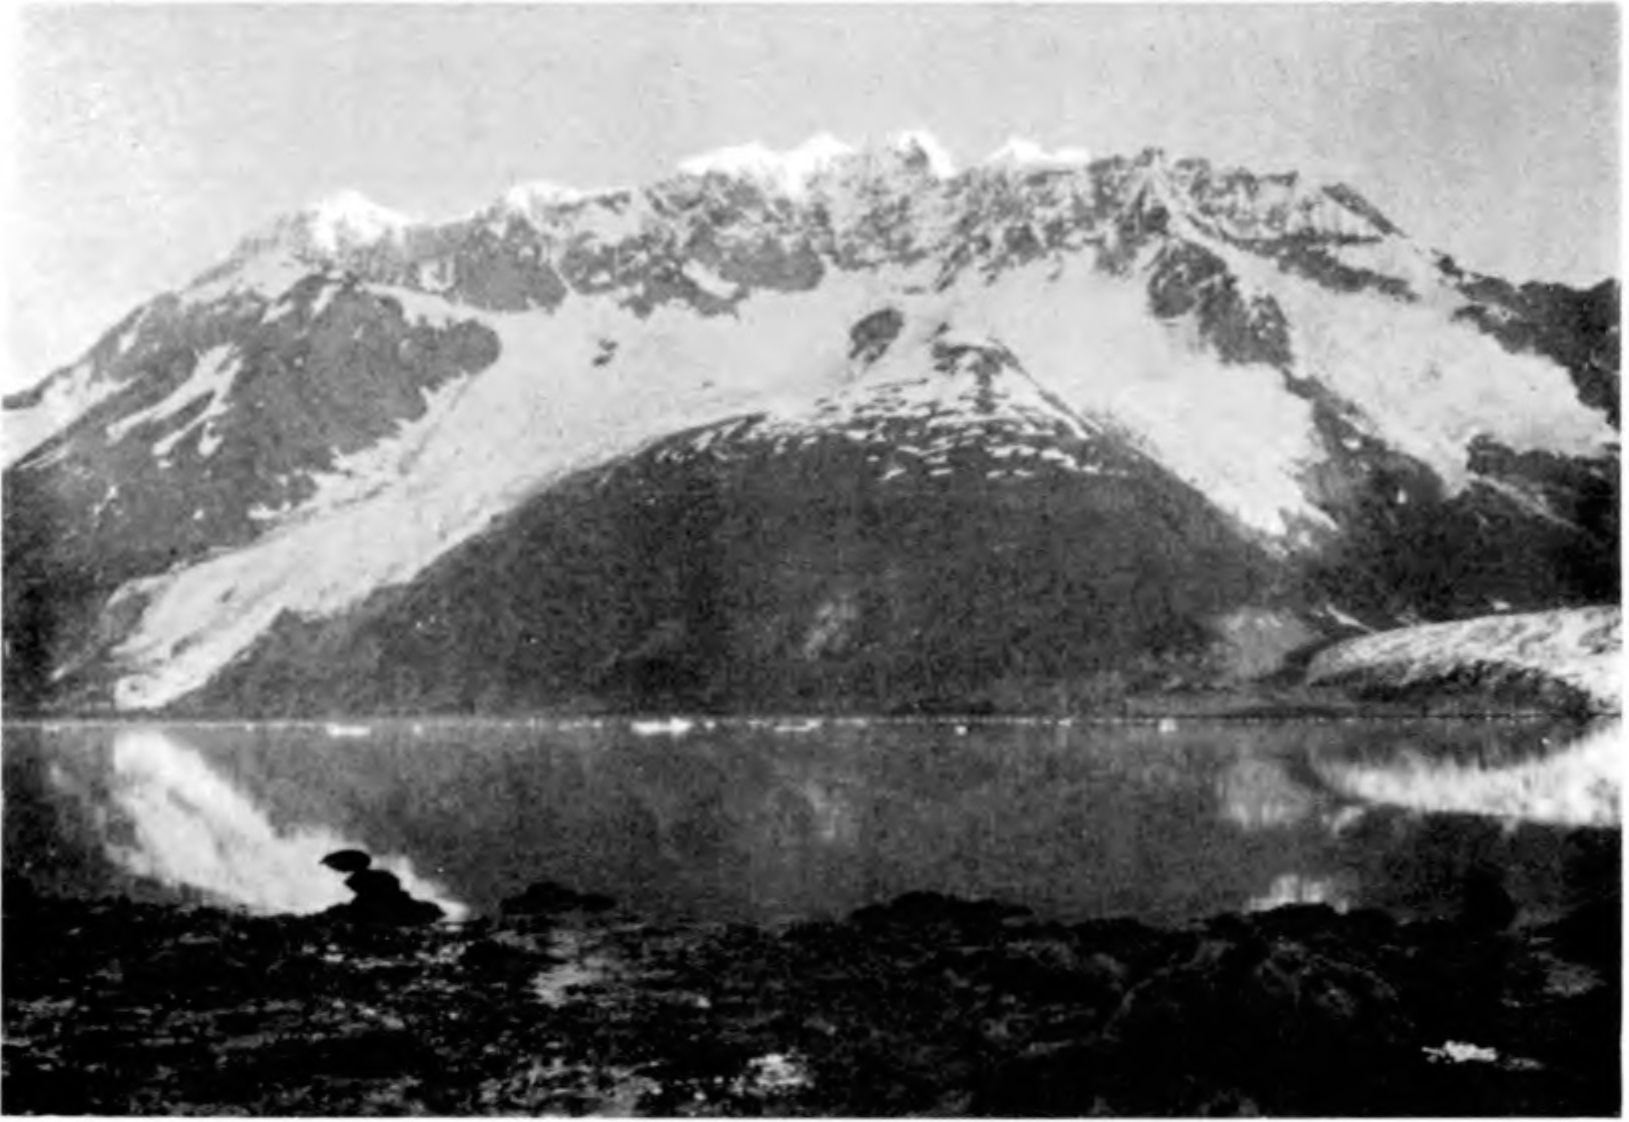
187	824
747	821
1580	784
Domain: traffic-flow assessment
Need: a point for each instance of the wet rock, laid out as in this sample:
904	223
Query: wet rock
505	957
1259	1018
1591	933
1486	905
923	909
380	897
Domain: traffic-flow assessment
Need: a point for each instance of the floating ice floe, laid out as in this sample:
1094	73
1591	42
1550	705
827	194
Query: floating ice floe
807	725
672	726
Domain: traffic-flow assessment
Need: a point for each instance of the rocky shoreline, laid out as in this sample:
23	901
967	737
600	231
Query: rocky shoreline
568	1004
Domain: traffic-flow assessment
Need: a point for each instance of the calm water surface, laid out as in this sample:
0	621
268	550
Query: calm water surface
765	820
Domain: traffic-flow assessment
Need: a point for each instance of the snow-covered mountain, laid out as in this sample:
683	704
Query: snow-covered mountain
835	426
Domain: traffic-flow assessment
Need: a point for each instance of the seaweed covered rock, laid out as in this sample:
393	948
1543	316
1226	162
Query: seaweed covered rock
1245	1014
1261	1014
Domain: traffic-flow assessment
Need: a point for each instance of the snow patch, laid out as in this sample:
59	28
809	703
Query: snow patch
710	282
434	276
68	396
349	220
426	309
1025	155
330	289
1401	258
1425	384
1231	431
528	199
1344	617
212	374
542	410
789	172
128	335
212	377
1528	499
107	499
267	274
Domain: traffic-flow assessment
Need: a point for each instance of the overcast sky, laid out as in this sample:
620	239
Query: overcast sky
150	138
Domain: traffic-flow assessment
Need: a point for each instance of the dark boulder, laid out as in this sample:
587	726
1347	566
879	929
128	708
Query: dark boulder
380	897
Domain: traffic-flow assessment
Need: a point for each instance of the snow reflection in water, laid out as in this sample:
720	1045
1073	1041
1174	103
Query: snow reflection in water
768	819
1579	785
1292	888
1258	794
191	827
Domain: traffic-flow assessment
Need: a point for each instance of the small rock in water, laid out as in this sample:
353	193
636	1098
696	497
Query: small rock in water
380	897
348	860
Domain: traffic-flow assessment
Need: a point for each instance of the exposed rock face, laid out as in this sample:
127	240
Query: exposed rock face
833	426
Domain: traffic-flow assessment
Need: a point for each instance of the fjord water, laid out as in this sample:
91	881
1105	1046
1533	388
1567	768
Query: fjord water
775	819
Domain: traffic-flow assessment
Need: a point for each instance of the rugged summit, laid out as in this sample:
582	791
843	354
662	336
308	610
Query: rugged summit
831	427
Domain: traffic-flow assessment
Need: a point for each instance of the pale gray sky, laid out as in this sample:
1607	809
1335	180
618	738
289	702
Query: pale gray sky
151	138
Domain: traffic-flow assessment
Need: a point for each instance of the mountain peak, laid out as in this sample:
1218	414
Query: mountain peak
789	171
534	199
1242	375
1021	154
349	219
542	192
793	171
342	222
920	147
